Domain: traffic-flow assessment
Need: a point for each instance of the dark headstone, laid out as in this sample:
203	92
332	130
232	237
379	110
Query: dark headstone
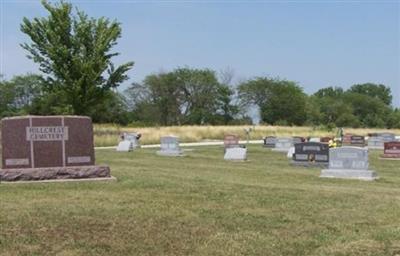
357	141
391	150
311	153
269	141
47	142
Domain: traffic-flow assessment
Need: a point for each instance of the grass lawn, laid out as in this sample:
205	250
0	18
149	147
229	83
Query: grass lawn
202	205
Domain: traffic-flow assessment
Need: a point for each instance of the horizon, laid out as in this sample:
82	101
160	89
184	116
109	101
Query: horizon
315	44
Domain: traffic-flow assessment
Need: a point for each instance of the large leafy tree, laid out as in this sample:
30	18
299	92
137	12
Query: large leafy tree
377	91
74	52
18	94
279	101
183	96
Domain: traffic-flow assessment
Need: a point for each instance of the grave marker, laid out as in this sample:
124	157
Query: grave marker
236	154
283	144
311	154
231	141
129	142
348	163
48	147
376	142
269	142
170	146
391	150
357	141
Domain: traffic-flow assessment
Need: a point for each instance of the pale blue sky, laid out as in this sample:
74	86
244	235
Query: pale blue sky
316	43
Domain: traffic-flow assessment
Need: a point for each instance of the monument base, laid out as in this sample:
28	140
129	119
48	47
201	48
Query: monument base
269	146
349	174
390	156
285	150
309	164
55	173
170	153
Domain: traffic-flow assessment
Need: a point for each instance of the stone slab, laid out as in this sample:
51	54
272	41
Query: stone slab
47	141
290	152
236	154
309	164
368	175
389	157
125	146
112	178
54	173
169	153
285	150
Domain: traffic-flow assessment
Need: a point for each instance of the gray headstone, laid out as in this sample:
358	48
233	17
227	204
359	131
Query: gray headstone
269	142
170	146
377	142
350	163
283	144
311	153
297	140
236	154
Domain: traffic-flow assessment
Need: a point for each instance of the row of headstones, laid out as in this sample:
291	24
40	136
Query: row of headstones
169	144
342	162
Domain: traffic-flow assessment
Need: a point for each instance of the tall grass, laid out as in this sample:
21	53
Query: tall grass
108	135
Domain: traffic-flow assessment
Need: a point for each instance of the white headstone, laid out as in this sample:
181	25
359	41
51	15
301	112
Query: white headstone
290	152
236	154
124	146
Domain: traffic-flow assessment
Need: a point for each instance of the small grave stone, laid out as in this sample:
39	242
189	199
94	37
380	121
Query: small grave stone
357	141
269	142
311	154
290	152
48	147
314	140
170	146
231	141
130	141
347	139
236	154
283	144
391	150
376	142
348	163
297	139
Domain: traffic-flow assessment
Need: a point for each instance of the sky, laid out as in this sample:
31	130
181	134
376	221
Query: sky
315	43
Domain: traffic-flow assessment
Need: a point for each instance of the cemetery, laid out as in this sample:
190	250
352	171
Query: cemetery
173	128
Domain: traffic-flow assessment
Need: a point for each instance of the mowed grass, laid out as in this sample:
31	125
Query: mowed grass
202	205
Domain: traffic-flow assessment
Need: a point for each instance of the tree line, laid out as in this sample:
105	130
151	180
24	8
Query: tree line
74	53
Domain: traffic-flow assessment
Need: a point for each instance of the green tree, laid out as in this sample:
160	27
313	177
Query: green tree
377	91
74	52
279	101
18	94
183	96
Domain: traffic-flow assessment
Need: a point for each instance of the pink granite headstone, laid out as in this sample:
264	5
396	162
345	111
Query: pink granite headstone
47	142
391	150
